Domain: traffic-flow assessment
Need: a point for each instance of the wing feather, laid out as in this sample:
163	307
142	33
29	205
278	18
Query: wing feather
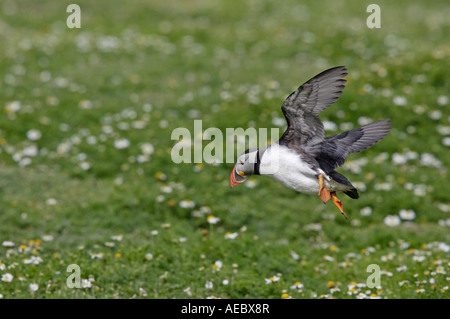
302	107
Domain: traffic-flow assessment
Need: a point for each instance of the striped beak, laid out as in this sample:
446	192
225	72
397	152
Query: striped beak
236	178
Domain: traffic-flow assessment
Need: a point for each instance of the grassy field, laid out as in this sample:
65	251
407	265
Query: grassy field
86	175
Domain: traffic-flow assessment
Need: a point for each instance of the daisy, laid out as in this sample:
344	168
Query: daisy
333	290
420	290
148	256
251	183
212	219
418	258
147	148
86	283
2	266
271	279
187	203
285	296
209	285
34	135
121	143
34	287
217	265
407	214
7	277
47	237
229	235
51	202
8	243
366	211
188	291
392	220
439	270
97	256
297	285
294	255
117	237
401	268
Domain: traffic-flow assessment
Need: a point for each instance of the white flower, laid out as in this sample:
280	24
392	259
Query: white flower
154	232
392	220
7	277
34	287
294	255
148	256
251	183
366	211
12	107
85	165
30	151
361	296
399	100
117	237
46	237
8	243
231	235
212	219
225	282
121	143
407	214
314	226
86	283
97	256
329	126
51	201
209	285
147	148
218	265
278	121
442	100
271	279
418	258
34	135
297	285
187	203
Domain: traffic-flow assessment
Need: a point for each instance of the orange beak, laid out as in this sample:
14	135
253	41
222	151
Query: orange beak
235	178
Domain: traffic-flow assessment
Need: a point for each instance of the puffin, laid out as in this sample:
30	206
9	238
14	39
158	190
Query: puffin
303	159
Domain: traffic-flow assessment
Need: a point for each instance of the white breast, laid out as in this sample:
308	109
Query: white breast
287	167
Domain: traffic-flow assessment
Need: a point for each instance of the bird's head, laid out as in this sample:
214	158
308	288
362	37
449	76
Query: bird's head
244	167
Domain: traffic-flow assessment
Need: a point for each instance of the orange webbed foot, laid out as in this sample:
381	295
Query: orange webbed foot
338	203
324	194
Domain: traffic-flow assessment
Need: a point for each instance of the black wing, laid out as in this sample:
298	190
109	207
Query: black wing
301	109
335	149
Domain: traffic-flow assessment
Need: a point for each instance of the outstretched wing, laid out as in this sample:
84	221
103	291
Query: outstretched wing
301	109
336	148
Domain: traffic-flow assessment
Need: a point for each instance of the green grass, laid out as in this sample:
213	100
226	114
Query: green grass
137	72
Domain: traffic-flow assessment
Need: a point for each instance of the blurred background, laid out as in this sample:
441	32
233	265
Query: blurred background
86	117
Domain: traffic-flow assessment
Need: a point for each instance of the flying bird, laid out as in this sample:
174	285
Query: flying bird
304	159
